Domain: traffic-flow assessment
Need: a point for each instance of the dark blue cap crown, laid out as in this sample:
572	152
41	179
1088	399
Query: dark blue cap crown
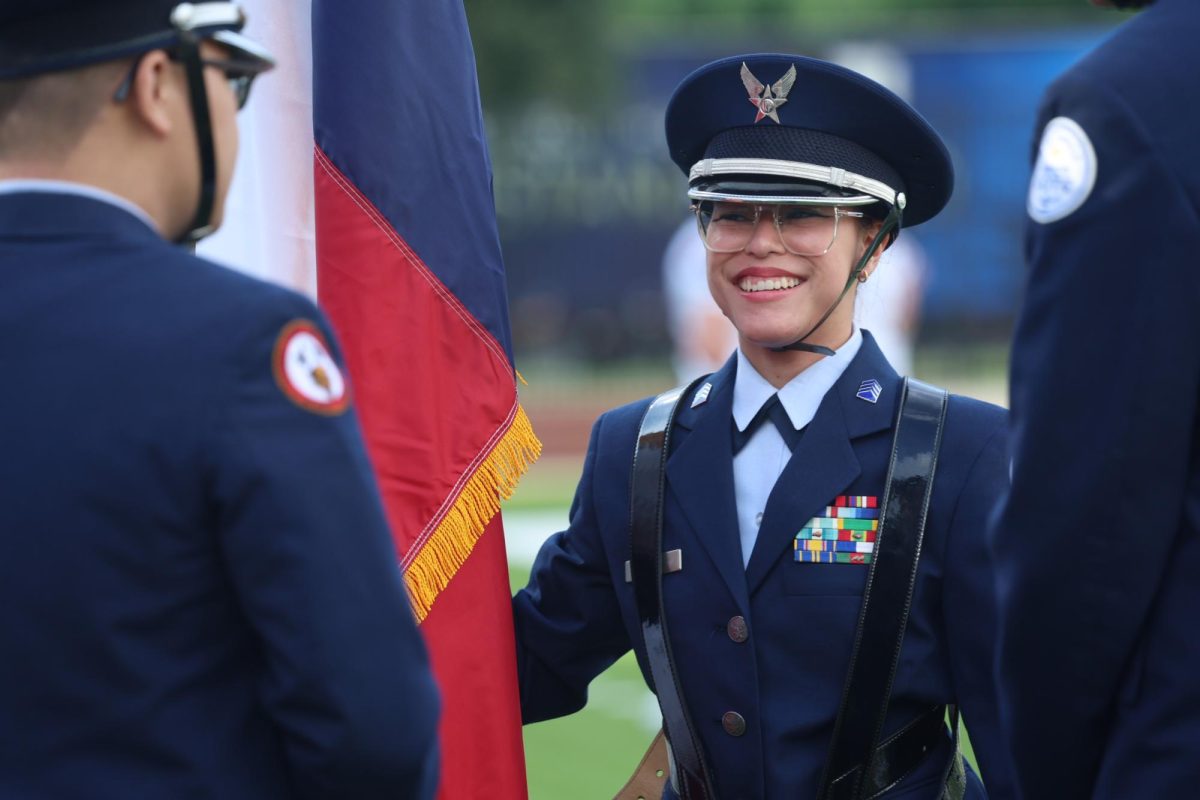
822	115
38	36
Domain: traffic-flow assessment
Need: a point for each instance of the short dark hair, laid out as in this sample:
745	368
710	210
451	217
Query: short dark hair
46	115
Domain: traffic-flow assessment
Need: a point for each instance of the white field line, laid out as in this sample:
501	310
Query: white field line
524	532
611	694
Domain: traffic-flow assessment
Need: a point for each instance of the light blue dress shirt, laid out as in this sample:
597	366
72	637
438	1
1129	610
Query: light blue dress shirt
759	464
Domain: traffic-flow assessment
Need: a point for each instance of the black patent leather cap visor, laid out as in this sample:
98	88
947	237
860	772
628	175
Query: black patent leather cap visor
245	50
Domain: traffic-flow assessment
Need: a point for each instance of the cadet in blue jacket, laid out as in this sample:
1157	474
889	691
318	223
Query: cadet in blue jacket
799	172
1098	547
199	597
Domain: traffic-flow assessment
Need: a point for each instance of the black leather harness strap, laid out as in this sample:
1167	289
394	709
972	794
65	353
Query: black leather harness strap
859	766
690	772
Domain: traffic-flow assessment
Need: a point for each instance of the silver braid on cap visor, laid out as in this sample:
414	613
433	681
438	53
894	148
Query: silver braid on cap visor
191	16
197	16
872	190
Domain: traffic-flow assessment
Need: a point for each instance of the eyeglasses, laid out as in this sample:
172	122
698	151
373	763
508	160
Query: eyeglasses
805	230
240	75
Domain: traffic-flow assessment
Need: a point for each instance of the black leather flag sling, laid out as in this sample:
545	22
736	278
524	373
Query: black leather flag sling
689	768
859	766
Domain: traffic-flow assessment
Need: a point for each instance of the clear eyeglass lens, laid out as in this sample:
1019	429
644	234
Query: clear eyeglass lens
241	87
804	230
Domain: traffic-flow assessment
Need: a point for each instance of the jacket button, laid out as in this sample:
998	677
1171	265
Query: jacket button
733	723
737	629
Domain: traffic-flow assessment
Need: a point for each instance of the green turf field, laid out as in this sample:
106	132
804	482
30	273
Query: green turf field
590	754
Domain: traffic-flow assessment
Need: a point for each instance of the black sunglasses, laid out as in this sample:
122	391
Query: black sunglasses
239	73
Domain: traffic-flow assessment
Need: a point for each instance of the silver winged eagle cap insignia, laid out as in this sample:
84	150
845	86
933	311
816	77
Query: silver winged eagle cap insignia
768	99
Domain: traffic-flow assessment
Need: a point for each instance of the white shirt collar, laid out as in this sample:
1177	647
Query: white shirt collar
801	396
80	189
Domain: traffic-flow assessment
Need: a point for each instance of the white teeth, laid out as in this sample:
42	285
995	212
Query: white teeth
767	284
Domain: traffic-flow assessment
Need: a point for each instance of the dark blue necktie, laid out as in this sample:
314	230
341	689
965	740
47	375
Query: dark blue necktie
774	411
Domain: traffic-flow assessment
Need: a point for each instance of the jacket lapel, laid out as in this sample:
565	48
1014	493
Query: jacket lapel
700	476
824	463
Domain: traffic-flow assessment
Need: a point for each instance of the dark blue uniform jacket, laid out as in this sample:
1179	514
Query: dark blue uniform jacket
198	594
577	615
1099	545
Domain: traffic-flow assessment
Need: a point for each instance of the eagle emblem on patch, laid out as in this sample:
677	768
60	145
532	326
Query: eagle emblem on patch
768	98
306	372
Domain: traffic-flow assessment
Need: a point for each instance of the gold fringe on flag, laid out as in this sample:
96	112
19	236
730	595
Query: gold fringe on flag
455	535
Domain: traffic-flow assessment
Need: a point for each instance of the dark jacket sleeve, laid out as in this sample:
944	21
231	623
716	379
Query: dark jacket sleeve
969	605
345	675
568	623
1105	372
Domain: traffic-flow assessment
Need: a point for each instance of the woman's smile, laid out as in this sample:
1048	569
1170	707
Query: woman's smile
762	284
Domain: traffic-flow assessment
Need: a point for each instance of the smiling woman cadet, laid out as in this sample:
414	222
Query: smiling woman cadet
824	579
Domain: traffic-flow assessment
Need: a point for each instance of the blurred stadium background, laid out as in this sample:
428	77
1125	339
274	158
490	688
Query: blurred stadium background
587	199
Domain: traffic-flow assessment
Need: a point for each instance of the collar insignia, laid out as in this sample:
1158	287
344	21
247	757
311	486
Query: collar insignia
768	99
870	390
702	395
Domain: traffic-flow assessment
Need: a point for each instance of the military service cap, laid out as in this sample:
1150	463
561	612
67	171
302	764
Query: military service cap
39	36
774	127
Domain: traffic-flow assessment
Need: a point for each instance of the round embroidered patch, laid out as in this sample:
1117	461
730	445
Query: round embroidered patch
305	370
1065	171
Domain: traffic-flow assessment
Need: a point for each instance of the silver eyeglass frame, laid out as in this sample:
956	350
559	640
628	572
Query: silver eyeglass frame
759	202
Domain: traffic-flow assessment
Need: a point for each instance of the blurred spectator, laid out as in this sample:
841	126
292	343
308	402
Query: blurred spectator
889	304
702	337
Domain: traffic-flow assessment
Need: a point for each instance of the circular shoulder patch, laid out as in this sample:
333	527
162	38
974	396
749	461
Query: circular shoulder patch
1065	171
305	370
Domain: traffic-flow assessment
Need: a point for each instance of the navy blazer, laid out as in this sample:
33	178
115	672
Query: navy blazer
1098	548
199	597
577	614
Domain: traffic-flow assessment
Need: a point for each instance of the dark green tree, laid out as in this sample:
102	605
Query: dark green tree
531	51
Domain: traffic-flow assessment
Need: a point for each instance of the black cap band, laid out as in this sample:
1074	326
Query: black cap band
803	145
41	36
749	115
